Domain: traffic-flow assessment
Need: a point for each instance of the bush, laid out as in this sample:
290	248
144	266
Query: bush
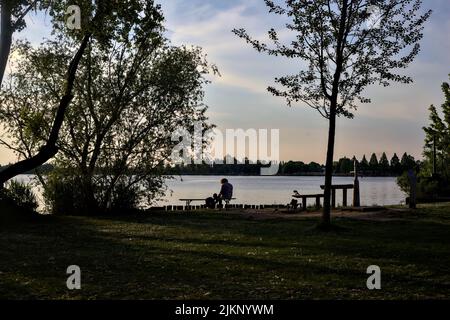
427	187
403	183
70	194
124	199
21	195
65	195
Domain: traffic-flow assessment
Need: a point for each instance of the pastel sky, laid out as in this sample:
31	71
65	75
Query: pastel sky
238	99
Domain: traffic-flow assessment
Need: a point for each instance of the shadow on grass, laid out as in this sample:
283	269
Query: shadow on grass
219	256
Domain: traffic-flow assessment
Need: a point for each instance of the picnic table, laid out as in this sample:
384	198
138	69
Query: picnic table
304	198
344	188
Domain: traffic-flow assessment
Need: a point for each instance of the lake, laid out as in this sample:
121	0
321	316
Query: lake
276	189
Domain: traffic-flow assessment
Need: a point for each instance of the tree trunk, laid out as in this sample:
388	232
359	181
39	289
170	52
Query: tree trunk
50	149
326	214
5	37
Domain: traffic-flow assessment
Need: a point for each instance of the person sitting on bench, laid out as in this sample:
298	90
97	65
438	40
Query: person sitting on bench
225	194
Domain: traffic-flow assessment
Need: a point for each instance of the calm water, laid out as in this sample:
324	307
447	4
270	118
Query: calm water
276	190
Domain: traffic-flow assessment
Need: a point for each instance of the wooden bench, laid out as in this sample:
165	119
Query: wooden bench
189	201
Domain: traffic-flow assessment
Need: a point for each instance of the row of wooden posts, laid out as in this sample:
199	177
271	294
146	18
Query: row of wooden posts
230	206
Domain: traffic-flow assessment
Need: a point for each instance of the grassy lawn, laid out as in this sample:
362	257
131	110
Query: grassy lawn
221	256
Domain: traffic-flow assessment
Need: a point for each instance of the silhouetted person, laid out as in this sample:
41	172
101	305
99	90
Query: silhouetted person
226	192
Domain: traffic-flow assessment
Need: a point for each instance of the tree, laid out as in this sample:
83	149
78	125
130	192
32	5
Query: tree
395	165
384	164
437	141
100	21
13	15
347	45
364	165
345	165
373	164
408	162
131	94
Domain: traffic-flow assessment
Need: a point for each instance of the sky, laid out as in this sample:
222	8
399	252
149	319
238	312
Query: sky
238	99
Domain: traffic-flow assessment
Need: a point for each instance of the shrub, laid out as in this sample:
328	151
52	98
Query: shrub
427	187
65	195
124	199
21	195
71	194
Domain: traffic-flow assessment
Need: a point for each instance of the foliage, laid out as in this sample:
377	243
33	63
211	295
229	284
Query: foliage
428	188
106	22
373	163
438	136
132	92
344	53
434	181
396	165
66	193
20	194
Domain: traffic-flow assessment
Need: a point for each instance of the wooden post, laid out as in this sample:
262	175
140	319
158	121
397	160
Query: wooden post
318	202
304	203
333	198
344	197
413	189
356	195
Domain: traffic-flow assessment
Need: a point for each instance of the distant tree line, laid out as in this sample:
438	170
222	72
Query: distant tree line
345	166
377	167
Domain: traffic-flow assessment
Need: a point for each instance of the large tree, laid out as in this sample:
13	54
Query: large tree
130	95
347	45
100	20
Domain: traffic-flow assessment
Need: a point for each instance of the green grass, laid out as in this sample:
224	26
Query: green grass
220	256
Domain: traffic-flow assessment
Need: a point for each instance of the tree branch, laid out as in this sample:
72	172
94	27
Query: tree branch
50	149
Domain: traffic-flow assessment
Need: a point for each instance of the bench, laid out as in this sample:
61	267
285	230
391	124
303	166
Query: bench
189	201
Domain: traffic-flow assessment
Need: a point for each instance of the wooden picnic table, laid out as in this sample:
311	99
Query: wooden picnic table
344	188
309	196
